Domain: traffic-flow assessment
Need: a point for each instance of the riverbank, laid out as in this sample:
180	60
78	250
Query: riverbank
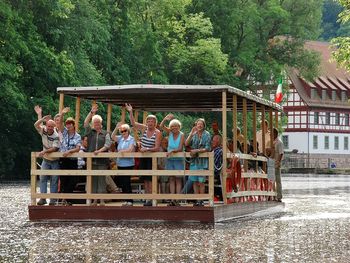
343	171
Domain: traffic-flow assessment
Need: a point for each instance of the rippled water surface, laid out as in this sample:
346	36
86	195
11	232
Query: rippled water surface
315	227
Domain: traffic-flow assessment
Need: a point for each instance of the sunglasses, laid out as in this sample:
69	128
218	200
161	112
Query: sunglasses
122	131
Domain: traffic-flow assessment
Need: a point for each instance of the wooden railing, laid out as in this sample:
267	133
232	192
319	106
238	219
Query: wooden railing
254	185
155	173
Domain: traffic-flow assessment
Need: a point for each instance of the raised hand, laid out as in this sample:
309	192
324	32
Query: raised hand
119	124
128	107
194	130
65	110
47	118
169	117
94	108
38	109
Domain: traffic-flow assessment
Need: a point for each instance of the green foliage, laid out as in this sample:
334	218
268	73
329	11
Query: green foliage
45	44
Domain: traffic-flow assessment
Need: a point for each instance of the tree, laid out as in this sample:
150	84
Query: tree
342	44
262	37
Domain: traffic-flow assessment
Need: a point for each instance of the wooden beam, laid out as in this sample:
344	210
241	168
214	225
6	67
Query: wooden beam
255	147
271	127
88	178
33	179
262	147
211	181
61	105
154	180
123	115
77	113
145	113
109	117
254	127
224	147
234	121
245	131
276	119
136	134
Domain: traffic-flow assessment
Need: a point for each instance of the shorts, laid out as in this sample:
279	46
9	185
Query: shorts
175	164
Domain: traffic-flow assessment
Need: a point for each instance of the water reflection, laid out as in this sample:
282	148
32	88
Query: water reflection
314	228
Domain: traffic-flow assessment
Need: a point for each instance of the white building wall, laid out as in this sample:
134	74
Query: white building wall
303	142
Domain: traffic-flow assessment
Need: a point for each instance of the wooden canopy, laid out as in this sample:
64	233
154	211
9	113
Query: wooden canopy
152	97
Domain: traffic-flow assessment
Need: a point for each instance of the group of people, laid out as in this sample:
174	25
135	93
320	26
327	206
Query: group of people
60	135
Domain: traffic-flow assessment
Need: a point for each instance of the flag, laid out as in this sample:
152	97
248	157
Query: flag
279	94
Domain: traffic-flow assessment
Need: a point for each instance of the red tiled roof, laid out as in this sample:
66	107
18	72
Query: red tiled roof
330	78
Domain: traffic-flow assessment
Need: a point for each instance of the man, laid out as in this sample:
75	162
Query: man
277	154
51	144
98	141
259	134
216	145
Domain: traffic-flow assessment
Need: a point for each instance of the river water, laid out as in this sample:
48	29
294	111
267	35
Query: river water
315	227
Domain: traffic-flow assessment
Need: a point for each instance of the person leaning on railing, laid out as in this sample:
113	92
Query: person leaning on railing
175	144
126	143
50	142
71	143
150	142
199	140
98	141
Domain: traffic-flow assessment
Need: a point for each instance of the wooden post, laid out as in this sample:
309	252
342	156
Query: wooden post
262	147
61	105
109	116
245	132
77	113
276	119
123	115
33	179
144	117
224	148
211	180
254	128
234	121
271	128
136	117
255	148
88	179
154	180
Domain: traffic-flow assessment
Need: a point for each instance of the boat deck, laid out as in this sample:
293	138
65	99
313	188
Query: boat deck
185	213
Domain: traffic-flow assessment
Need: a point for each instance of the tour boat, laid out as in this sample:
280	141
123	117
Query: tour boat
244	192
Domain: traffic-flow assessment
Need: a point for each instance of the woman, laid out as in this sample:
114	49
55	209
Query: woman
150	142
199	140
126	143
71	142
98	141
175	144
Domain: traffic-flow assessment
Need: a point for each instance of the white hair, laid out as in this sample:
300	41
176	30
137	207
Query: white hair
97	117
175	122
125	126
151	116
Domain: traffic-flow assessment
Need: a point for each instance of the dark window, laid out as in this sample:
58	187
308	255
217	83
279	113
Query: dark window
326	142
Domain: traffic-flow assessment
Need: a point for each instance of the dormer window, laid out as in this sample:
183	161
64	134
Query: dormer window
334	95
324	94
344	97
313	94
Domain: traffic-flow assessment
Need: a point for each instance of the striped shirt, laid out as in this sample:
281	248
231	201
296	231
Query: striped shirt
148	142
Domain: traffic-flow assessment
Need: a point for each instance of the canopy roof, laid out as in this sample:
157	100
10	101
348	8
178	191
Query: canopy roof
152	97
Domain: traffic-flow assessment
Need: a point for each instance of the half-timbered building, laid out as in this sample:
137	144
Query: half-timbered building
318	111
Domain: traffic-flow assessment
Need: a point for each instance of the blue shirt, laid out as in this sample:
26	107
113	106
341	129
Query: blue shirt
174	144
122	145
69	142
203	142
